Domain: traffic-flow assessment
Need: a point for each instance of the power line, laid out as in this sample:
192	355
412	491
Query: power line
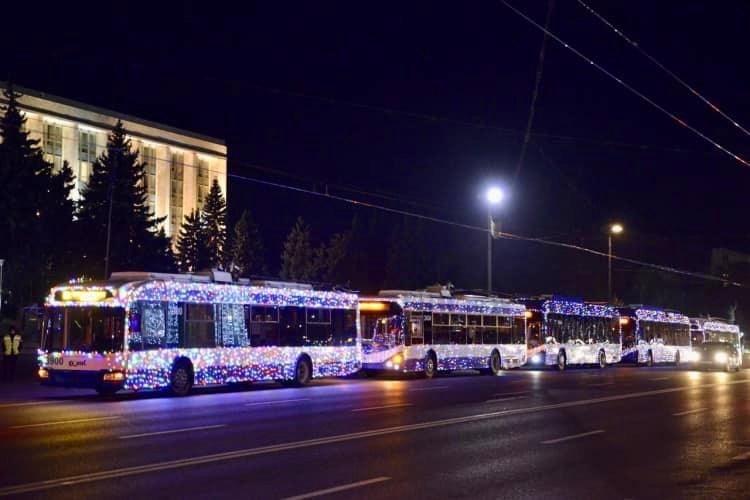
629	87
661	66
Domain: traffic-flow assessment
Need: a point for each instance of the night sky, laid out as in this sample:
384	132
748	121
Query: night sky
284	83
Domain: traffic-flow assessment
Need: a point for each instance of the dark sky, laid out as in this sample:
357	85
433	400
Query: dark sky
598	152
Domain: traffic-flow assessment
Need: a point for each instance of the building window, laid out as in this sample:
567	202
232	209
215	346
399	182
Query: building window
86	157
177	169
203	185
148	156
52	145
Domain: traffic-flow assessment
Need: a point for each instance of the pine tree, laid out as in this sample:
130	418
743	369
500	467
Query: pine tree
35	209
297	258
118	176
215	218
192	252
330	257
247	247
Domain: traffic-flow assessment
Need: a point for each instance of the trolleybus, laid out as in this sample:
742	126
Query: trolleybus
149	331
653	335
568	331
427	332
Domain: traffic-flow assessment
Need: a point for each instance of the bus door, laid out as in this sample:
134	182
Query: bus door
416	329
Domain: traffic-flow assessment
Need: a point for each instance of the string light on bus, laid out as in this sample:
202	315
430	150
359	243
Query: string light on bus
661	316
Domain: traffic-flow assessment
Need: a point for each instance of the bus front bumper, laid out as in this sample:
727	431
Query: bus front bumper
81	379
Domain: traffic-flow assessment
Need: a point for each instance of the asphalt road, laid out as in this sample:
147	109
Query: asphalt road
616	433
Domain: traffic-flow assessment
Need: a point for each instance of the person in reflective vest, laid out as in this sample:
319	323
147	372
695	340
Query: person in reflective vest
11	349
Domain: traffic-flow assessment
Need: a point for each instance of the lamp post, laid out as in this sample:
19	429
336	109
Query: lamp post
494	196
613	229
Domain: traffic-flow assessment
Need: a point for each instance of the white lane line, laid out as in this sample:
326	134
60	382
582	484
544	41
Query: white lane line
63	422
603	384
502	400
508	394
277	402
382	407
574	436
27	403
659	378
173	431
295	445
742	456
689	412
435	388
336	489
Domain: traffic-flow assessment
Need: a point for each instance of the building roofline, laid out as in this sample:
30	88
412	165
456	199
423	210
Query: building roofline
104	111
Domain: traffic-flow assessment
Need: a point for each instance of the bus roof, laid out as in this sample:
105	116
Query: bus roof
570	307
418	300
714	325
655	314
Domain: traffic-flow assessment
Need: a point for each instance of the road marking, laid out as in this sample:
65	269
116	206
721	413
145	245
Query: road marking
429	388
276	402
574	436
502	400
173	431
659	378
508	394
63	422
742	456
295	445
382	407
344	487
689	412
603	384
27	403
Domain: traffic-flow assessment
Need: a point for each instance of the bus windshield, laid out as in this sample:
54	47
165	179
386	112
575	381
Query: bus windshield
84	329
729	337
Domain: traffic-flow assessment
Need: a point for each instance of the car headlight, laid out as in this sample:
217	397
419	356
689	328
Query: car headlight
536	359
721	357
695	356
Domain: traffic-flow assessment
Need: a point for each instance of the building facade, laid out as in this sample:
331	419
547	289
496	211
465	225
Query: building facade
180	165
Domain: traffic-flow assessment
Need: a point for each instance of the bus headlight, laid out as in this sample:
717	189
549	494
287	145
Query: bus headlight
695	356
114	377
43	373
721	357
536	359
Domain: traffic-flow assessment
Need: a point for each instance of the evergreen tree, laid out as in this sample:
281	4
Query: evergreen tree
330	257
247	247
34	209
192	252
118	177
215	218
297	258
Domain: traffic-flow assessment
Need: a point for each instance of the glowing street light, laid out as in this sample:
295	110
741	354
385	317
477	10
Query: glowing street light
614	229
494	196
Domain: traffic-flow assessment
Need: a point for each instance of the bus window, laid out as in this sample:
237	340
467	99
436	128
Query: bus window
489	329
85	329
199	325
474	329
344	327
264	328
441	333
519	331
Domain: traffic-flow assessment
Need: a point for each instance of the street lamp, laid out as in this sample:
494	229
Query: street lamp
494	196
613	229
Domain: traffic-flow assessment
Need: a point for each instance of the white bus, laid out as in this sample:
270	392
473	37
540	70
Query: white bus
566	331
652	335
427	332
716	330
151	331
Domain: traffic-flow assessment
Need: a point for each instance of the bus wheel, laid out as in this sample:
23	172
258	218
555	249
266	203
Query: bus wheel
181	378
602	359
650	359
677	359
496	364
562	362
302	372
430	365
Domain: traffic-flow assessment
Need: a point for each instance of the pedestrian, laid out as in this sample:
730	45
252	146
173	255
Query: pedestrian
11	349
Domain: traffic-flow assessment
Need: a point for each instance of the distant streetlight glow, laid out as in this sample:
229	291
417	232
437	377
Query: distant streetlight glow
495	195
616	228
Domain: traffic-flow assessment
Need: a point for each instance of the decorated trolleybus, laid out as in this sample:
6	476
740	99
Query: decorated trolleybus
715	330
568	331
431	331
151	331
652	335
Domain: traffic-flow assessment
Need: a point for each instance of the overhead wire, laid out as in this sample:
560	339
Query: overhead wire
661	66
626	85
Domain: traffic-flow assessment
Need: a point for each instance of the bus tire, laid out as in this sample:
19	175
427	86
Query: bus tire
602	359
302	371
181	378
562	361
430	365
496	363
650	358
677	359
